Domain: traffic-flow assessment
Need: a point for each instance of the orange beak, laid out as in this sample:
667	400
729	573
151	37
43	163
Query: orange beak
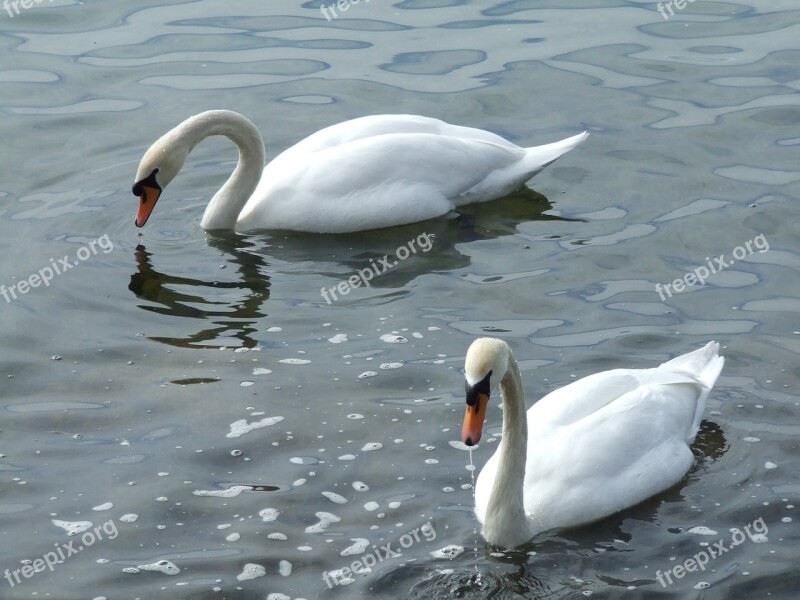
147	202
473	420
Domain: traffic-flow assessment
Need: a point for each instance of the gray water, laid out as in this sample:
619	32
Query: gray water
126	380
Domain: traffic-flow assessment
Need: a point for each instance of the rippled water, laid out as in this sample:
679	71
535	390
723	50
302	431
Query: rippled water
229	434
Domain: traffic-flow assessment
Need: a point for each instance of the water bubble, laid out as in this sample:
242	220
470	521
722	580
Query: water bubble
448	552
268	514
251	571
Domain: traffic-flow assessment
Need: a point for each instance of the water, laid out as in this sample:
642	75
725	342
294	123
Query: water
196	394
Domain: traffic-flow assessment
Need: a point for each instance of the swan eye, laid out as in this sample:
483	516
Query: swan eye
150	180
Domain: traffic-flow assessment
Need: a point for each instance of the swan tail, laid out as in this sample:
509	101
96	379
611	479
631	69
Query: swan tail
538	157
703	366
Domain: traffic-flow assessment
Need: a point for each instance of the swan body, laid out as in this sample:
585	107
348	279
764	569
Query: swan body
587	450
366	173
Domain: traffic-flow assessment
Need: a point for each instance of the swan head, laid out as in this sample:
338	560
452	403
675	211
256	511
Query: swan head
487	361
159	166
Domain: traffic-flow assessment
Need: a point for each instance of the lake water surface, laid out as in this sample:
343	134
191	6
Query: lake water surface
228	433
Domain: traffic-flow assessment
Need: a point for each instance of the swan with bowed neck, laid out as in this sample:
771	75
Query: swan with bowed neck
587	450
367	173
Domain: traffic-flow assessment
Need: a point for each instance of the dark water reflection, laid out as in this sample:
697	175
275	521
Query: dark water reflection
249	262
231	319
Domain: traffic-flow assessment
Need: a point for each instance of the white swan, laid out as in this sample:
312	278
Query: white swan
372	172
587	450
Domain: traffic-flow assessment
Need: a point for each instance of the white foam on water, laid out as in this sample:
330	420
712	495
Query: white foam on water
701	530
339	577
241	427
294	361
285	568
358	547
230	492
251	571
448	552
162	566
73	527
325	521
268	514
334	497
391	338
338	338
370	446
702	585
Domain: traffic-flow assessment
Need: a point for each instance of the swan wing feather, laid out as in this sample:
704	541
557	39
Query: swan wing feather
613	458
377	181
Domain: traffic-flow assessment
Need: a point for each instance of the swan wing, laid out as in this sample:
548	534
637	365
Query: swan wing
377	181
377	125
612	459
624	437
581	398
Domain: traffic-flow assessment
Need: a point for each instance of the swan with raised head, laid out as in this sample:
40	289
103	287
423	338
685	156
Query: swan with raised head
584	451
367	173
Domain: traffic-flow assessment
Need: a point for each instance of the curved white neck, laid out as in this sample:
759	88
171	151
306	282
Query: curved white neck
228	202
505	523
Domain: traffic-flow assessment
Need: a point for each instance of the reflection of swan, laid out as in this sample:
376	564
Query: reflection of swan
226	312
372	172
596	446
